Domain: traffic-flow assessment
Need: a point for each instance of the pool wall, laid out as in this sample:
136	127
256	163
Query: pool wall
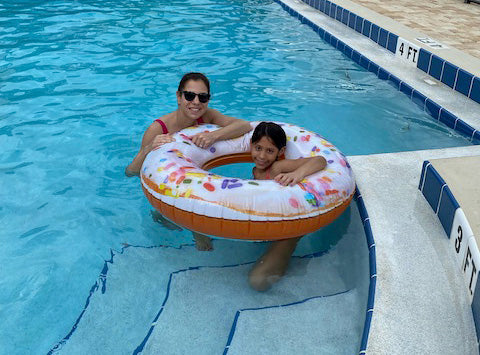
440	197
391	41
448	73
373	270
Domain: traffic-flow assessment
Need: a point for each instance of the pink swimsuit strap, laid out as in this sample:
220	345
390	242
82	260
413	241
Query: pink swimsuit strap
267	174
164	126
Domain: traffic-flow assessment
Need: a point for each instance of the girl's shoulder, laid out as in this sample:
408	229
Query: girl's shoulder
276	168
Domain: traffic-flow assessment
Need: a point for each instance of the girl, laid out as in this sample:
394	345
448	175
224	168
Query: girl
267	145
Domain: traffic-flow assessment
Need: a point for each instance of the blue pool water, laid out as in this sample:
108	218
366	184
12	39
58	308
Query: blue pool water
80	81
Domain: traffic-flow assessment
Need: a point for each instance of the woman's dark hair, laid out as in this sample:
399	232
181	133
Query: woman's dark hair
193	76
270	130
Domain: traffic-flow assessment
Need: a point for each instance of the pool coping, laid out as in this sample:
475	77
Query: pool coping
418	278
439	193
458	70
372	260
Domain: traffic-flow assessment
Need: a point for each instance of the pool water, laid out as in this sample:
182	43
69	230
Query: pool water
80	82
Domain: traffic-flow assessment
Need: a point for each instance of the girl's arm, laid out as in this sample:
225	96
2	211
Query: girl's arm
289	172
231	128
152	138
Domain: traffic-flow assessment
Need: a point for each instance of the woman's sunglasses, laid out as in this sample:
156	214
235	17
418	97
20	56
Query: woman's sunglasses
190	96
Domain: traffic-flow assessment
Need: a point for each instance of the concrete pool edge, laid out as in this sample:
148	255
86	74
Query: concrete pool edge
448	112
447	186
420	293
386	33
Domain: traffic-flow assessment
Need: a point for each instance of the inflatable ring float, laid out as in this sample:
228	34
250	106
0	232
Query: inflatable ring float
176	181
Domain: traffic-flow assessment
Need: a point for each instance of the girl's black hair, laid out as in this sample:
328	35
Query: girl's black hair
270	130
196	77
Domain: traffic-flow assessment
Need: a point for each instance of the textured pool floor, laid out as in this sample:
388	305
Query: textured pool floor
161	300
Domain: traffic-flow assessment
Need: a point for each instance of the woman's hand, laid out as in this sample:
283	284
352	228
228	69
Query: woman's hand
204	139
289	179
158	141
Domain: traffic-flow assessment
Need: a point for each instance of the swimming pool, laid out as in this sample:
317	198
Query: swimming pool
81	81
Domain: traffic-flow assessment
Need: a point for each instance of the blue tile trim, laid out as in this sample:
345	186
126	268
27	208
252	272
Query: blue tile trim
356	56
392	42
458	79
374	68
368	233
359	24
463	81
476	309
419	99
373	270
348	51
423	61
326	9
446	210
345	16
422	175
367	25
338	15
383	37
351	20
341	46
383	74
364	62
374	32
432	108
448	73
447	118
436	67
475	90
406	89
464	128
373	266
433	186
395	81
476	137
438	195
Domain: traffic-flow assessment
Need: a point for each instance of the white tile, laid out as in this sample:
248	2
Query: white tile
459	236
407	51
471	264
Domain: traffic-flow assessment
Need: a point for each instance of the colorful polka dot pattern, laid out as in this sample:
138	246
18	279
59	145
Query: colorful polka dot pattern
173	174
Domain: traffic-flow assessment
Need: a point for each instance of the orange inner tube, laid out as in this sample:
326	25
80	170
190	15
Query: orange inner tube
244	229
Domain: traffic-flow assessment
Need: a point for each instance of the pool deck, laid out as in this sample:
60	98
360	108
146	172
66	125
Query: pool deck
459	21
421	303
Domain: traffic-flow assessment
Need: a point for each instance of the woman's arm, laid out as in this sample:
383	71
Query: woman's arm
152	138
231	128
289	172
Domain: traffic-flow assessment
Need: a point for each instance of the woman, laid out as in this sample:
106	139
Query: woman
193	95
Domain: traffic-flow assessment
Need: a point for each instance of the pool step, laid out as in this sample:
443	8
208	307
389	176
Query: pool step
421	305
